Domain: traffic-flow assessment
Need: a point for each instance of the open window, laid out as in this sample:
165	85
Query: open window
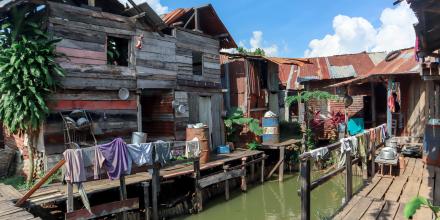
197	63
117	51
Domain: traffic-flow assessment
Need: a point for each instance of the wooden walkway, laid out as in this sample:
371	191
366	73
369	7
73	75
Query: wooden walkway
8	210
385	197
58	192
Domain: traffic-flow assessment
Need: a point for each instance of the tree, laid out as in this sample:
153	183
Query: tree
256	52
306	96
27	75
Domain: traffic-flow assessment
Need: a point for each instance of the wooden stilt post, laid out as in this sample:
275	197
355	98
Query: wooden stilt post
281	168
252	170
243	178
69	203
348	177
305	189
262	168
155	190
225	170
146	186
373	104
198	190
122	194
373	157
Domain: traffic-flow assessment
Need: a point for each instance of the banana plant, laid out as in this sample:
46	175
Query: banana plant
412	206
28	73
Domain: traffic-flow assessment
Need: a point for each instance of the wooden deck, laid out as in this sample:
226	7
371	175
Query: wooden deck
385	197
8	210
57	192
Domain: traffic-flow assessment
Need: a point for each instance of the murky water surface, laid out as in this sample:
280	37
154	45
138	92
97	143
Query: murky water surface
277	201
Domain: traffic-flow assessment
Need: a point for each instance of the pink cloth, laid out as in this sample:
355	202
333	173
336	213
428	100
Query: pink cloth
75	172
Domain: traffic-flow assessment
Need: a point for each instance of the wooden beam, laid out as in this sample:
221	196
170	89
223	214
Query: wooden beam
243	177
105	209
146	186
225	170
348	177
220	177
262	168
281	168
155	189
305	189
40	183
373	104
198	191
189	20
69	202
197	20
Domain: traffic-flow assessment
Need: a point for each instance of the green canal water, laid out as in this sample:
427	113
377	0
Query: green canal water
277	201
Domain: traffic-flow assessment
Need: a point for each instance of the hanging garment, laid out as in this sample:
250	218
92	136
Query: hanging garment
391	104
75	172
141	154
163	152
319	153
114	158
363	150
347	144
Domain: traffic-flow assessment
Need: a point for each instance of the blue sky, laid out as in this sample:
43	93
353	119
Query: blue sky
292	24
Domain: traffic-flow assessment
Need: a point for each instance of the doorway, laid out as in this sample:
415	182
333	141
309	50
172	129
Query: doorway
205	113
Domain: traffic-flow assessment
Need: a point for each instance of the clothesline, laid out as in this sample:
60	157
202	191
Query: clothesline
117	158
361	140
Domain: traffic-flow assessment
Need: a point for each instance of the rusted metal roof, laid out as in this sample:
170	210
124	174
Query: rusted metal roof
289	61
404	63
210	24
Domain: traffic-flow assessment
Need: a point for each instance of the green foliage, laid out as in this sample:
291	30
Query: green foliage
253	145
310	95
310	140
412	206
112	52
256	52
27	71
235	122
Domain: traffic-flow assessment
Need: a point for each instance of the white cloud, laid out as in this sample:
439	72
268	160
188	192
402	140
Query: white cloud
256	41
356	34
154	4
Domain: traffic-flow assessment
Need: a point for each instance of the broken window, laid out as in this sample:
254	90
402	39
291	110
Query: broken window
117	51
197	63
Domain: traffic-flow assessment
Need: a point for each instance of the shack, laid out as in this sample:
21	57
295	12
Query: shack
167	74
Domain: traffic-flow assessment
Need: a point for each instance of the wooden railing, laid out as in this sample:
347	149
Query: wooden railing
305	174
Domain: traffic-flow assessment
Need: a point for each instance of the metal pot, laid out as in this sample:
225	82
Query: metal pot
388	153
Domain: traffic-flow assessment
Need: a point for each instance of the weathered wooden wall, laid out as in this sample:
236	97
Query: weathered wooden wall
158	114
414	105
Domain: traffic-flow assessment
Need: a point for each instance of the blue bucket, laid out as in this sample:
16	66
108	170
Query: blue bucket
271	133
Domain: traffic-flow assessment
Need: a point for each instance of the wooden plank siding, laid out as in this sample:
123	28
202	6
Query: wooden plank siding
157	67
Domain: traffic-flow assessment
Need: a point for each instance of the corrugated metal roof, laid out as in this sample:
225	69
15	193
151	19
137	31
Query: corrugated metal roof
378	57
338	72
211	23
404	63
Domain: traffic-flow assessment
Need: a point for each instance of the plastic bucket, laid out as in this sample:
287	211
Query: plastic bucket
138	137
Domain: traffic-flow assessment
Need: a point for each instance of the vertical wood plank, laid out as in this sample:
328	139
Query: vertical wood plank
437	101
139	111
389	115
305	189
373	104
155	190
122	194
145	186
225	170
69	202
243	178
281	168
262	168
348	177
198	190
252	169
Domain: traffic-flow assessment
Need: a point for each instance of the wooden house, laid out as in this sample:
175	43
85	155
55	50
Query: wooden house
364	78
427	48
169	66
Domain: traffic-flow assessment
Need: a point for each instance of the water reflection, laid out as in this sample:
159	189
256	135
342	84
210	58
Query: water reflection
276	201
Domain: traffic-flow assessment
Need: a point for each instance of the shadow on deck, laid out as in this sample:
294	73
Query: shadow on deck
385	197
